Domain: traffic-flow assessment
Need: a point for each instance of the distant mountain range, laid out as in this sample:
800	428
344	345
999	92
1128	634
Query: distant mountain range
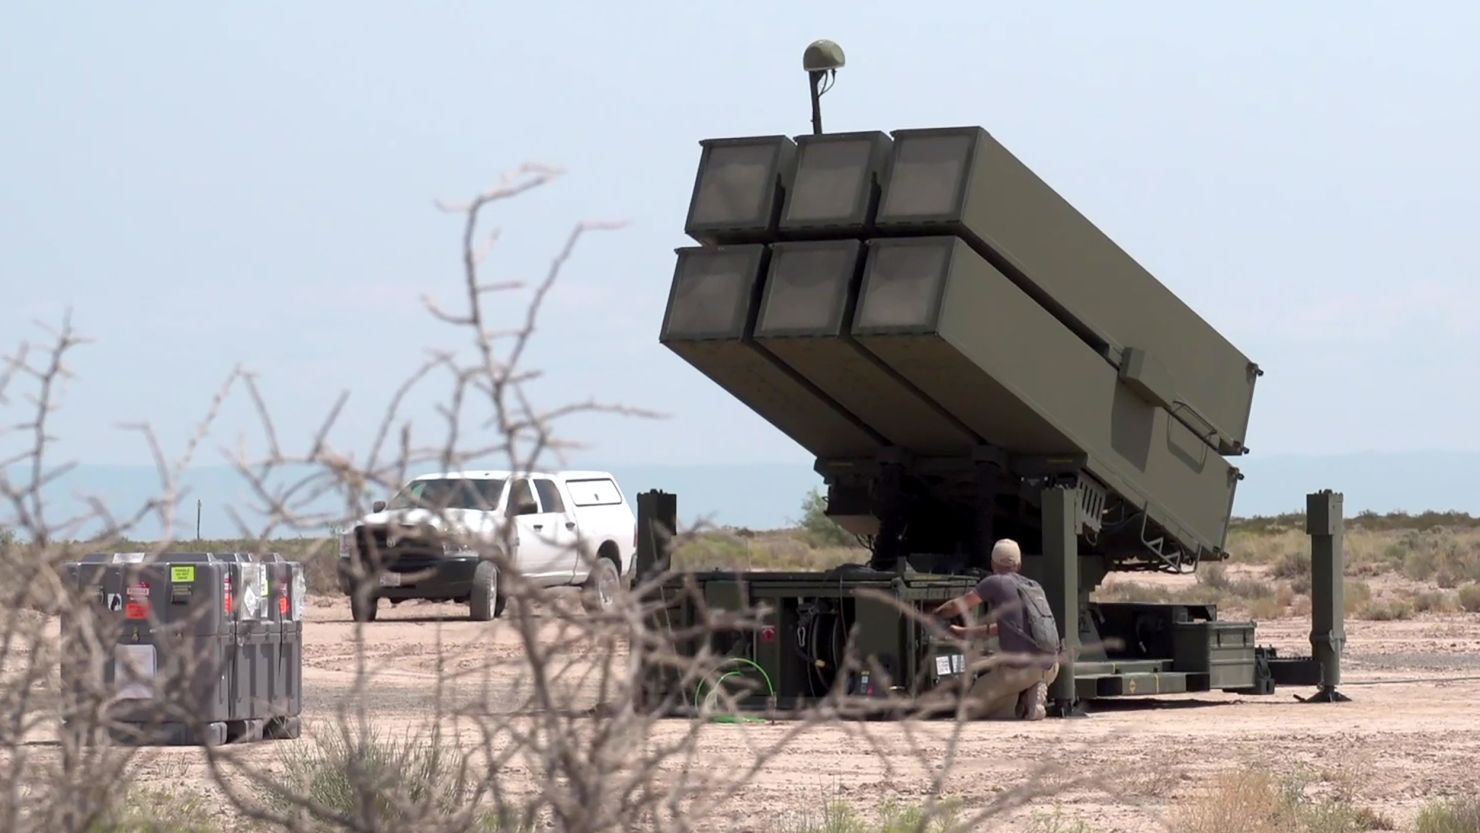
769	495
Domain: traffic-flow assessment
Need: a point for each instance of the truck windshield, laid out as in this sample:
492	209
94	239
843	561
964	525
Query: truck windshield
449	494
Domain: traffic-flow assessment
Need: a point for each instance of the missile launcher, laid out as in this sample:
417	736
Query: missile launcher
967	358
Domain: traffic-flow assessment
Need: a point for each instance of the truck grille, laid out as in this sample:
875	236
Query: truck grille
414	548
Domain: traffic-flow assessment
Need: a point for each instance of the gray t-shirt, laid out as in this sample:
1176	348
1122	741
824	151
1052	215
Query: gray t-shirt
1000	593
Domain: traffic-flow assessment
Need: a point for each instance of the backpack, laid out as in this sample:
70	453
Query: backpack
1039	616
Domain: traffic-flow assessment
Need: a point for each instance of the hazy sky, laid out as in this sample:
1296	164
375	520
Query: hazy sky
210	183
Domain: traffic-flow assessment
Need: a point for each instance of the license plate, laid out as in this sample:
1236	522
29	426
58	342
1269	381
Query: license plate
390	579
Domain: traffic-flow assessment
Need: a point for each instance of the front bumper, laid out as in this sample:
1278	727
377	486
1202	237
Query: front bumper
449	578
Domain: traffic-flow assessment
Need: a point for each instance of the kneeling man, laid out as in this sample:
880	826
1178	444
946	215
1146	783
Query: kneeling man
1016	685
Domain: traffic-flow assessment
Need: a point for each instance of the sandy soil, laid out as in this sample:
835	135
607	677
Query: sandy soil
1407	736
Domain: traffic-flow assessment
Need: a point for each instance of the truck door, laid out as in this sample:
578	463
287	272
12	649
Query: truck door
562	530
538	557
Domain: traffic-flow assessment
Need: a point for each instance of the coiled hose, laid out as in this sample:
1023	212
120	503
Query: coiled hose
700	695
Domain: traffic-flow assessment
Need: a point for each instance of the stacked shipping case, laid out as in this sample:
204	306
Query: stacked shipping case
185	647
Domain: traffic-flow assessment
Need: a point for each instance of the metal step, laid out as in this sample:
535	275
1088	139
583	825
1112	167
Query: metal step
1121	666
1094	686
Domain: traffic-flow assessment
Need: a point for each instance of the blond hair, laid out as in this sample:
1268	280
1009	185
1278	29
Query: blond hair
1007	553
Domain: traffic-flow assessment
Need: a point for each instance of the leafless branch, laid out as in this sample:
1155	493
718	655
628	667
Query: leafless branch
543	716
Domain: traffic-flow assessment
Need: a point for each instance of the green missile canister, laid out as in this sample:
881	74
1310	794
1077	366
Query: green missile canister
961	181
739	190
835	191
948	321
806	309
712	307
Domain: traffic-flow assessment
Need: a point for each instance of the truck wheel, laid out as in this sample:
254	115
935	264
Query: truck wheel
485	602
362	608
601	586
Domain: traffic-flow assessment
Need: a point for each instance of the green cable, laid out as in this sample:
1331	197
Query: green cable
730	718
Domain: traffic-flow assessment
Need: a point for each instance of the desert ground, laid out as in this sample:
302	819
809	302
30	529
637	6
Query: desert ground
1410	734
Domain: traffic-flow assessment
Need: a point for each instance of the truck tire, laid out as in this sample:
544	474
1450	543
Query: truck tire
363	608
601	585
485	602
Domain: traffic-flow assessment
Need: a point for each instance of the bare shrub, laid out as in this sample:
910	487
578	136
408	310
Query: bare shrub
724	549
890	817
561	732
1301	584
1257	801
1386	610
1266	607
1285	596
1133	591
1469	597
1249	588
1434	601
1295	563
375	781
1457	816
146	810
1356	594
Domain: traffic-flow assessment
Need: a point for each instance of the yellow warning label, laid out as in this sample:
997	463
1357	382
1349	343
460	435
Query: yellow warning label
183	575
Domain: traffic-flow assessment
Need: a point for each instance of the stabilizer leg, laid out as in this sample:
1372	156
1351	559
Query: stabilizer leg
1061	582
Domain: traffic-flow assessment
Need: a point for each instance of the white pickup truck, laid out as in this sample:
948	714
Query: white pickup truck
431	541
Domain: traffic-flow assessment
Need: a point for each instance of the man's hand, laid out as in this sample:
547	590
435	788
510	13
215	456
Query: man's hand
963	632
958	605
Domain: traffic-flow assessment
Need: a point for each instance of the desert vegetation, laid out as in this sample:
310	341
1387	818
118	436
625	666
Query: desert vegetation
1398	565
551	730
539	720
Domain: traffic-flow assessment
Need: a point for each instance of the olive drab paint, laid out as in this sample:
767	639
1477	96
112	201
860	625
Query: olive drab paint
922	295
968	358
186	660
962	181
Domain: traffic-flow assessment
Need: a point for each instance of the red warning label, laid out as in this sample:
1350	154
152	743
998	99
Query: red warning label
138	601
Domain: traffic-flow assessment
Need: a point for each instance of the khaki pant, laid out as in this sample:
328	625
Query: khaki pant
1006	693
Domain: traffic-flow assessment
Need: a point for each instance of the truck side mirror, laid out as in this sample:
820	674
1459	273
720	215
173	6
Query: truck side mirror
377	506
527	508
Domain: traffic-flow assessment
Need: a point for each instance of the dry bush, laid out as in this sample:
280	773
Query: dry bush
1268	607
1264	545
894	817
559	733
1458	816
1357	594
1137	592
1445	556
146	810
1294	564
1386	610
1260	598
1257	801
890	817
411	781
1469	597
739	551
1284	596
1442	547
1434	601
